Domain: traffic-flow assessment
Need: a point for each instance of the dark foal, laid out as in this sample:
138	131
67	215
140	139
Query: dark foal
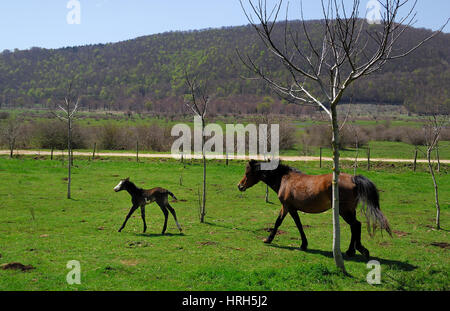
141	197
312	194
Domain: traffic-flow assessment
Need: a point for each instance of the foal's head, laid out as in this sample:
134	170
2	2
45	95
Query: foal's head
252	175
122	185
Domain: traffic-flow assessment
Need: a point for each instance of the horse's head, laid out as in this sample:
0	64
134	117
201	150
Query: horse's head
251	177
122	184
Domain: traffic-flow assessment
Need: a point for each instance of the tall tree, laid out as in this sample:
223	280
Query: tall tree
66	113
11	131
432	134
198	103
332	64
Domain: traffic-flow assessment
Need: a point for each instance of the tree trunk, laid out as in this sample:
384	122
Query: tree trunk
11	148
438	160
335	191
436	197
203	208
69	146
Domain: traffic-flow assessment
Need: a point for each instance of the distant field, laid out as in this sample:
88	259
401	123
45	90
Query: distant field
38	226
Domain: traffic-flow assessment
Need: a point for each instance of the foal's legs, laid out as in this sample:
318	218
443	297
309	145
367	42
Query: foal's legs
143	216
278	222
172	211
133	208
166	216
298	223
355	226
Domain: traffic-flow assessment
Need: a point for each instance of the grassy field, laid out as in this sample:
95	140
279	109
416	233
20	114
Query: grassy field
40	227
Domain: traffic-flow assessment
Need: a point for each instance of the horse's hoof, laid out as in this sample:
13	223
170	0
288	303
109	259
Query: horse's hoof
304	247
365	253
267	241
350	253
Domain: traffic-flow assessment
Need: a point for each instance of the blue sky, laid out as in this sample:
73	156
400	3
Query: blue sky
43	23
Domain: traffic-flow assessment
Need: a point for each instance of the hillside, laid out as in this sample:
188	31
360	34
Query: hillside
146	73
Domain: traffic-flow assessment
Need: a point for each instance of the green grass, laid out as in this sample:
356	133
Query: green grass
39	226
378	149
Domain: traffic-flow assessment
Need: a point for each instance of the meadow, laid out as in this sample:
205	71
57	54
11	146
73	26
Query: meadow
40	227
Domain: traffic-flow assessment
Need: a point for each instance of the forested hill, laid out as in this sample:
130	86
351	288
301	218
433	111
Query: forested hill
147	72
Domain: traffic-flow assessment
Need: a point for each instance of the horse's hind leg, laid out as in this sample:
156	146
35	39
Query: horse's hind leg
172	211
298	223
355	242
278	222
143	217
166	216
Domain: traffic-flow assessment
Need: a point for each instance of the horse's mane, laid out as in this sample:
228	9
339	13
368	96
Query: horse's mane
281	170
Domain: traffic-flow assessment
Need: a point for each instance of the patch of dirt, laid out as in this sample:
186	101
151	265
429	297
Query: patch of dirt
385	243
279	232
44	236
443	245
129	262
207	243
236	248
101	228
181	200
65	179
115	175
17	266
400	234
134	244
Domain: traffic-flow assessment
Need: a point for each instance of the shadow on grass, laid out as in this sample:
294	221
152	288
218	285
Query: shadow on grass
152	235
358	258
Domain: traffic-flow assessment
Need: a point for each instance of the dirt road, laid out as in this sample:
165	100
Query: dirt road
148	155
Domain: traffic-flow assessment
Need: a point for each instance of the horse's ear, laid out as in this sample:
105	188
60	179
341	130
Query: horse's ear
127	179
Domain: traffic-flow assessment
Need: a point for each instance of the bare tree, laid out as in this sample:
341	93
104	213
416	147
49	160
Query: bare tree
349	50
432	133
66	114
11	131
198	103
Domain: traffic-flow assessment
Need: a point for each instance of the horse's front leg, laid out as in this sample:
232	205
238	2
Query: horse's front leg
143	216
133	208
278	222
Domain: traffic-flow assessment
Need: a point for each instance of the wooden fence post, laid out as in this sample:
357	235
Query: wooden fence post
93	152
320	164
415	160
137	150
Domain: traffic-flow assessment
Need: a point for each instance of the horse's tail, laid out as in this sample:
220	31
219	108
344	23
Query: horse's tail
172	195
367	194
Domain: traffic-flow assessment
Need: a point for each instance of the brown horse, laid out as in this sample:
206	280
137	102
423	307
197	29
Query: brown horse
312	194
141	197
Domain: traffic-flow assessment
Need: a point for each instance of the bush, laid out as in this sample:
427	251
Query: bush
53	134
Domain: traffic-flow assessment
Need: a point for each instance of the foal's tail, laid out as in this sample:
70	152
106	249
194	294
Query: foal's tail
368	195
172	195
